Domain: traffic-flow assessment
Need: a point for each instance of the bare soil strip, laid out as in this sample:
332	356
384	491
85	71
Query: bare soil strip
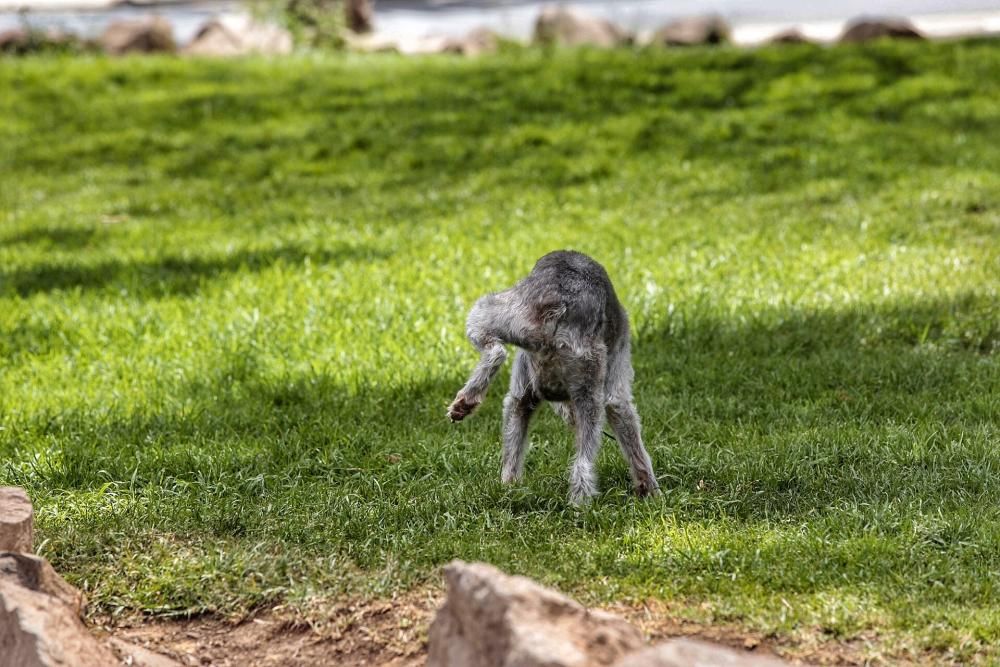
393	633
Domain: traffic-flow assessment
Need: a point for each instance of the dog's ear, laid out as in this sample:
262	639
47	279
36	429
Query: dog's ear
550	317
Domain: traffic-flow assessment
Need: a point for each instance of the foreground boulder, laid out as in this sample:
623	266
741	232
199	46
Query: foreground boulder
560	26
16	520
239	35
693	31
148	35
694	653
866	29
491	619
39	618
35	574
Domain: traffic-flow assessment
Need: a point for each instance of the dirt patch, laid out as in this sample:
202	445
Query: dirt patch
393	633
376	632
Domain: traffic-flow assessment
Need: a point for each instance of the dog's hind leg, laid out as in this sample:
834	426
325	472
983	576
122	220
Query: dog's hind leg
624	419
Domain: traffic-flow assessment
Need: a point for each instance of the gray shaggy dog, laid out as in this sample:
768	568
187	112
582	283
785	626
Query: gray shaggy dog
573	340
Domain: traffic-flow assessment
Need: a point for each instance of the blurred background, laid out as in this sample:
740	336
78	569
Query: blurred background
408	22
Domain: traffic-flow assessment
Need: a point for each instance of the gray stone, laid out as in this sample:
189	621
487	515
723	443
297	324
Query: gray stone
865	29
16	520
561	26
685	652
490	619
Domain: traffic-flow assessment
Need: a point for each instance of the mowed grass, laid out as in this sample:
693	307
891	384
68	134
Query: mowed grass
232	302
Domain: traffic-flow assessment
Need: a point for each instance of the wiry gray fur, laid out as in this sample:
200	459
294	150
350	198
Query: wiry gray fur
573	336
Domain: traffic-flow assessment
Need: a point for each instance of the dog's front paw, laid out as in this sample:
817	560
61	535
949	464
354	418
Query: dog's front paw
461	408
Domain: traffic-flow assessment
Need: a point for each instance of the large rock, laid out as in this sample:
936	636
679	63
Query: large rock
692	31
562	26
238	35
491	619
695	653
147	35
35	574
16	520
39	619
865	29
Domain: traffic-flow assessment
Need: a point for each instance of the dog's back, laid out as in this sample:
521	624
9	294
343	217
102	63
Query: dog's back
575	290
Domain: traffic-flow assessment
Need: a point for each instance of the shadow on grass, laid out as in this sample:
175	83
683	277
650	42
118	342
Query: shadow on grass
69	238
166	276
854	422
796	412
753	110
705	387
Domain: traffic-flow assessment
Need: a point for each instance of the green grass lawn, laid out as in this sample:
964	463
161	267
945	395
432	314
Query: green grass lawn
232	302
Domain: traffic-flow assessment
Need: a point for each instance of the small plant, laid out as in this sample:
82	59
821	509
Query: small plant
28	39
319	23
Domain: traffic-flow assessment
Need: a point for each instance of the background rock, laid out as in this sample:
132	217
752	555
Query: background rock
15	40
370	43
491	619
358	15
16	519
693	31
148	35
239	35
790	36
561	26
478	42
866	29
